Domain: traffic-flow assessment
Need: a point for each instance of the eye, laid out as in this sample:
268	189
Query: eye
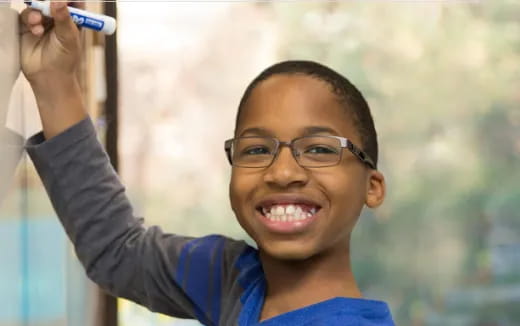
256	150
320	149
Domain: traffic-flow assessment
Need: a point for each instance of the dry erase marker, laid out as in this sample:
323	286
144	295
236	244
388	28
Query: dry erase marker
83	18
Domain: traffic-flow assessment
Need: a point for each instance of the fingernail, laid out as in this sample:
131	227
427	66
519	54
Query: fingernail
37	30
34	17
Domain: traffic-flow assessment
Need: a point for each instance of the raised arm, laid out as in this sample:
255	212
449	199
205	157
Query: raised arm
179	276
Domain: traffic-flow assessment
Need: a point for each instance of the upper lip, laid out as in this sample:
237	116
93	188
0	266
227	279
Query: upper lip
274	199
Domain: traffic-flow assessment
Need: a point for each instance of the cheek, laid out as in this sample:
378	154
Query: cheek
241	190
241	186
233	192
346	193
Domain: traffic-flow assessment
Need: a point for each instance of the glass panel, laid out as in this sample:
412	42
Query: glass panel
41	283
253	151
317	151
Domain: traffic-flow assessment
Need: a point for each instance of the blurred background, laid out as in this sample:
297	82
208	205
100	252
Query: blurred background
443	82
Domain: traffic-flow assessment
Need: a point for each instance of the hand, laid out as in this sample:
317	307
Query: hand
50	48
50	57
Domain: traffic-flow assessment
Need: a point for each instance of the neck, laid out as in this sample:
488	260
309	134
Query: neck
295	284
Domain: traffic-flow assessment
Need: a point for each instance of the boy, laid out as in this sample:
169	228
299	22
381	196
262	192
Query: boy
298	185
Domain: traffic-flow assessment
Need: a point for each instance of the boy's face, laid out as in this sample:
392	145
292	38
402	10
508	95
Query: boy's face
284	106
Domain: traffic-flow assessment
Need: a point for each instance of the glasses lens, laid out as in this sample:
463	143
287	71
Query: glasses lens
318	151
253	151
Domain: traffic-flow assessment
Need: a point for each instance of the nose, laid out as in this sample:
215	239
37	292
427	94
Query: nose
285	171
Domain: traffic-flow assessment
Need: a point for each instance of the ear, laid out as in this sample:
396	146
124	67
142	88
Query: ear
376	189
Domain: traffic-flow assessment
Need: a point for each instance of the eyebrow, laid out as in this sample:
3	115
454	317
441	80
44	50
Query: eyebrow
307	131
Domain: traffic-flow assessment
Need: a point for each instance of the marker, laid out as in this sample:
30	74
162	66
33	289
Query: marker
83	18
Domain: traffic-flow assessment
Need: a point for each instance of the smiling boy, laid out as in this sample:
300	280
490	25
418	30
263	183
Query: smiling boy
309	254
299	182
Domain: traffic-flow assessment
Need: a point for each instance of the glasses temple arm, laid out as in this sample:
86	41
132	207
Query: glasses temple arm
361	155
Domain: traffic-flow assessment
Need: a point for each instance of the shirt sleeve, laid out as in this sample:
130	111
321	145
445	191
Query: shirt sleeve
175	275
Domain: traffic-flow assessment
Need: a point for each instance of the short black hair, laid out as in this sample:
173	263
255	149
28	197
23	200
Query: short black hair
355	103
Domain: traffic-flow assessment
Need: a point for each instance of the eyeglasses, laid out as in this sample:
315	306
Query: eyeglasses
309	151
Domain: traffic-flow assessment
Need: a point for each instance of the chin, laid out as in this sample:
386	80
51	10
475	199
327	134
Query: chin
288	252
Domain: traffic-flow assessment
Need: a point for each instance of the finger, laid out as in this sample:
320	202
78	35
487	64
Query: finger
34	18
24	15
32	21
39	24
48	23
77	4
37	30
29	17
63	24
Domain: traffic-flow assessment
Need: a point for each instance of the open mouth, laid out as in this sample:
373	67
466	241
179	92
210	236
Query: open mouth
288	213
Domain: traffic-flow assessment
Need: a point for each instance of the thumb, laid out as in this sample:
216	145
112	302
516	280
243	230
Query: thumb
64	27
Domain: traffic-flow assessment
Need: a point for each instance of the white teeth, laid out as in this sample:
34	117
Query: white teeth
287	213
298	214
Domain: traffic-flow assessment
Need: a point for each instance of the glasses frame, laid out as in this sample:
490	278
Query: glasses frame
344	143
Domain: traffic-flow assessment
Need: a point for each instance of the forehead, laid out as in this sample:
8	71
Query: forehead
286	105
